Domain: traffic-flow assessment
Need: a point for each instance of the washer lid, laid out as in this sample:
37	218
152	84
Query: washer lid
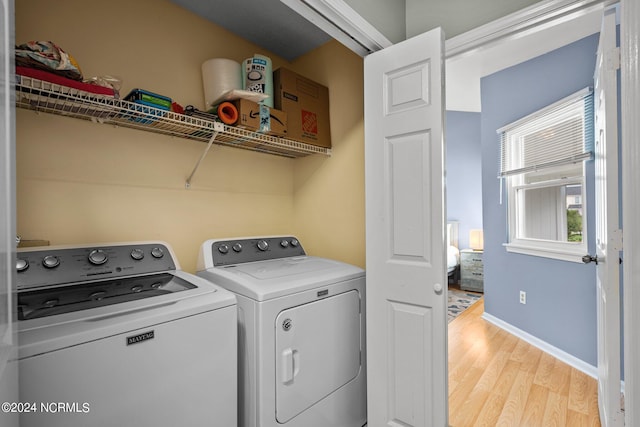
265	280
94	320
51	301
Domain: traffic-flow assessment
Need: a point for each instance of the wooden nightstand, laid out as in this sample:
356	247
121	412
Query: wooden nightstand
471	270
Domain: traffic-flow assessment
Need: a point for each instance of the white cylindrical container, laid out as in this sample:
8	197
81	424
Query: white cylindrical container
219	76
257	76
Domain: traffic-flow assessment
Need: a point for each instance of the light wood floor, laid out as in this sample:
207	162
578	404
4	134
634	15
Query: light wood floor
497	379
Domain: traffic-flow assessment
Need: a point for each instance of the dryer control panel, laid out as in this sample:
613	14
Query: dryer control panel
56	266
226	252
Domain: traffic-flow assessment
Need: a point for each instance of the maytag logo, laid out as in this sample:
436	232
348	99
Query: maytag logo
135	339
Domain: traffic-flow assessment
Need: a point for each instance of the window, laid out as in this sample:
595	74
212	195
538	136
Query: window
543	166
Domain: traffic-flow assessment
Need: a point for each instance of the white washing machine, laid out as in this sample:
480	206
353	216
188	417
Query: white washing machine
117	335
301	320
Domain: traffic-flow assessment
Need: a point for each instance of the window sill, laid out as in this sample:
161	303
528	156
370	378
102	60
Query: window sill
562	252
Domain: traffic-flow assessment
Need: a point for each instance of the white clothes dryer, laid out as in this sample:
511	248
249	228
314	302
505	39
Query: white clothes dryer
301	319
117	335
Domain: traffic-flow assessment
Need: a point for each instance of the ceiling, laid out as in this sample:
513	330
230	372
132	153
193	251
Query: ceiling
464	71
270	24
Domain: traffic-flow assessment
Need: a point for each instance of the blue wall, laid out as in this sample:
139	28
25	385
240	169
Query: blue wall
464	172
561	296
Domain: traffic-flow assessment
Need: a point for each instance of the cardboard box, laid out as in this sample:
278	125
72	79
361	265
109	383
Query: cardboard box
307	106
261	118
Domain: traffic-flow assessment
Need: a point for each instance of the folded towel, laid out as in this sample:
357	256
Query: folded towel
47	56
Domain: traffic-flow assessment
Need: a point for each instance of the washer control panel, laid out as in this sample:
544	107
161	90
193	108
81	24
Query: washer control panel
226	252
56	266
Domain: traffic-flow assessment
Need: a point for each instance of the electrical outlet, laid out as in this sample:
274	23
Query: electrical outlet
523	297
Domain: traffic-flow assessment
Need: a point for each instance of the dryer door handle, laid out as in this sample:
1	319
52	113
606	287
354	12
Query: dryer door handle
290	365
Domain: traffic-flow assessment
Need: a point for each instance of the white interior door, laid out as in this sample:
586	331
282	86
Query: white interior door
406	271
608	235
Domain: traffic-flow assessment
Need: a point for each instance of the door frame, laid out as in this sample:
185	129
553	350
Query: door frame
8	328
533	18
630	152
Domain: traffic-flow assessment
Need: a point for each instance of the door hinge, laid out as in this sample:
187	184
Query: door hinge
615	239
613	59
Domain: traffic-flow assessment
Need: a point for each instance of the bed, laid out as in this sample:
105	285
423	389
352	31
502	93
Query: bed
453	253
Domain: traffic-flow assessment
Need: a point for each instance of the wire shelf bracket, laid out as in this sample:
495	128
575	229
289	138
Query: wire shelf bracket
217	128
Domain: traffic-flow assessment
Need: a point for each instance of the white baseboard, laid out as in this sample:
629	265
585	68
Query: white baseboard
570	360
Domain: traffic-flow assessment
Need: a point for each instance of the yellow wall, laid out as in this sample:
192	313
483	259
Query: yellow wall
80	182
329	193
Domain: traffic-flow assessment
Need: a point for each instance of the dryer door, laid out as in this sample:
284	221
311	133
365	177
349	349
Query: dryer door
317	351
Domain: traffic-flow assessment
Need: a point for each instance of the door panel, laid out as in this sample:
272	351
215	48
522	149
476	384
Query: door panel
409	218
406	271
409	364
317	352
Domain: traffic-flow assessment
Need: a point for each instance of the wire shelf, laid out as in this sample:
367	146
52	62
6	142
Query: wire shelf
40	95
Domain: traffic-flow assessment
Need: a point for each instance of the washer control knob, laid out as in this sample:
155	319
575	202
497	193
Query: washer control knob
223	249
22	264
51	302
294	243
50	261
284	243
237	247
263	245
137	254
98	295
157	252
98	257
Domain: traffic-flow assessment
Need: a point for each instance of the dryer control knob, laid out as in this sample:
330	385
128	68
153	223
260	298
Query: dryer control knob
137	254
22	264
294	243
237	247
157	252
263	245
284	243
50	261
98	257
223	249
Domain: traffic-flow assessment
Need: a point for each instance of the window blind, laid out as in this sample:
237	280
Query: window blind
557	135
